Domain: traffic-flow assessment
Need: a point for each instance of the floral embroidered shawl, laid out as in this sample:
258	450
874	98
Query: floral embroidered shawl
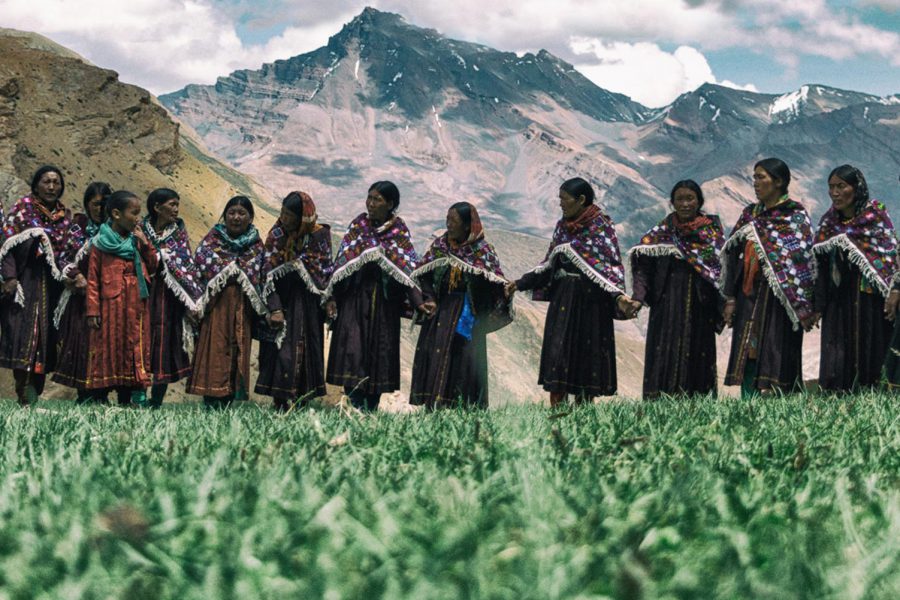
698	242
219	258
782	238
27	221
307	254
390	245
179	271
591	244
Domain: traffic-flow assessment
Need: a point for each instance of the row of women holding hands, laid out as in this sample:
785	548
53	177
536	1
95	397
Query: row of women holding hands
110	300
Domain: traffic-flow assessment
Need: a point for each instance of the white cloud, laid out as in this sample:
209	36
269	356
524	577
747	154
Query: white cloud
644	71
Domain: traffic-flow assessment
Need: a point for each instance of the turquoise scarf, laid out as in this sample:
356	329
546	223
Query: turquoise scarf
111	242
239	244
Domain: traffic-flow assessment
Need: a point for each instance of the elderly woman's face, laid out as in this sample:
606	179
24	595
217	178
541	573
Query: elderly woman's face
289	220
456	229
841	194
571	206
377	207
49	187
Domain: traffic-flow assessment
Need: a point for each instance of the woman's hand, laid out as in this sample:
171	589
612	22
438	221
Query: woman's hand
509	289
891	304
627	306
275	319
94	322
427	308
331	310
80	283
728	312
9	287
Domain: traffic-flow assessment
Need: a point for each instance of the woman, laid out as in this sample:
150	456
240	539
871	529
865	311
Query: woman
120	264
173	293
463	284
675	271
368	292
856	253
228	262
36	232
295	272
583	277
767	280
69	318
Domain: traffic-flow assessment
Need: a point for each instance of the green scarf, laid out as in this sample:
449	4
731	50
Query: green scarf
111	242
239	244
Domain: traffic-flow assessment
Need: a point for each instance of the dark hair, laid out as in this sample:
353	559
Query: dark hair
464	210
43	171
388	191
238	201
294	203
777	169
119	201
856	180
578	187
94	189
157	197
688	184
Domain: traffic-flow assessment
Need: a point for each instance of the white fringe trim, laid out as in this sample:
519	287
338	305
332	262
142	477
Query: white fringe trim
218	283
370	255
176	288
187	337
46	247
654	250
749	231
61	307
453	261
582	266
855	255
295	266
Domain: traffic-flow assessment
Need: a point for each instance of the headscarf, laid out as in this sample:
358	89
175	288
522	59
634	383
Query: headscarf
868	239
178	268
698	242
781	238
390	245
107	240
590	243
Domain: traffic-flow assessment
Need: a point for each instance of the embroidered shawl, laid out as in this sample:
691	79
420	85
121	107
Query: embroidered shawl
308	255
868	239
179	271
390	245
590	243
26	221
74	258
782	238
218	258
699	243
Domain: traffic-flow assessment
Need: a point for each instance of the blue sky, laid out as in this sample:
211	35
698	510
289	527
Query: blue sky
651	50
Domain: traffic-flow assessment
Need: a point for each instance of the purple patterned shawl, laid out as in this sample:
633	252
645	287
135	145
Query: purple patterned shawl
868	239
782	237
699	246
308	255
218	259
179	270
592	246
390	245
26	221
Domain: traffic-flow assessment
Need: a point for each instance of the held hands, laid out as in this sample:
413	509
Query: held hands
891	304
331	310
9	287
275	319
809	321
728	312
509	289
627	306
80	283
427	308
94	322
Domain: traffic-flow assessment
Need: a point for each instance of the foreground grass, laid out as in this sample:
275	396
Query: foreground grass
778	498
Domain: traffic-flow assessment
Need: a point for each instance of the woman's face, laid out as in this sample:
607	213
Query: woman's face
237	220
289	220
167	212
841	194
571	207
377	207
686	204
94	208
456	229
767	188
49	187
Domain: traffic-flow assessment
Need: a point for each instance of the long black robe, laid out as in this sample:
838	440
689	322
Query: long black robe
297	368
365	343
855	334
168	360
447	368
762	332
578	354
685	314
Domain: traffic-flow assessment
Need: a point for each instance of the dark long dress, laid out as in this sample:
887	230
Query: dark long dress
365	343
685	314
447	368
168	360
855	334
892	356
28	339
578	355
297	368
763	334
72	338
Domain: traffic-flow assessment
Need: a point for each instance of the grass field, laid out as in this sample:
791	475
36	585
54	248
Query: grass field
779	498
